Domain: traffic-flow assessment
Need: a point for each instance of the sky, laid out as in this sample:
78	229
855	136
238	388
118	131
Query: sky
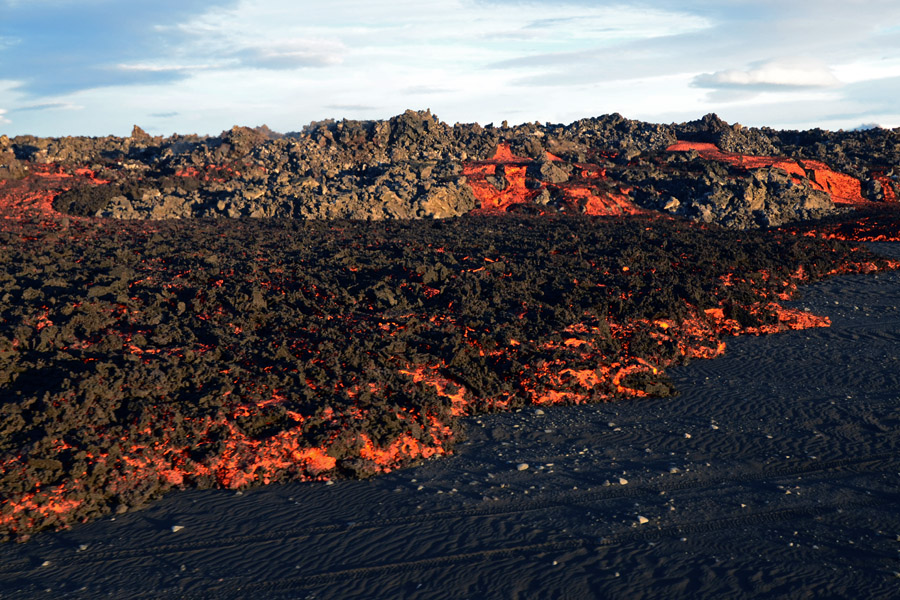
98	67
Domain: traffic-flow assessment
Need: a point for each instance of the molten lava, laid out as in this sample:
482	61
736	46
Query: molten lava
503	183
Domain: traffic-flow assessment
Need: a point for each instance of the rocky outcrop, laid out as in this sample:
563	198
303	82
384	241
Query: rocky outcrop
10	166
413	166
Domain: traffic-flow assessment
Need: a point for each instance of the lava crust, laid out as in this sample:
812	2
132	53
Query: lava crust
139	356
414	166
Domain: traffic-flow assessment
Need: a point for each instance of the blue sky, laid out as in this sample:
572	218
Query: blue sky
96	67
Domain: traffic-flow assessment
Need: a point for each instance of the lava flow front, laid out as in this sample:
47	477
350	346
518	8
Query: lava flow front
138	357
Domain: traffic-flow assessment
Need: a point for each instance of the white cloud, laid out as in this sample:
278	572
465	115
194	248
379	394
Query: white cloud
293	54
859	70
783	73
463	32
287	62
2	118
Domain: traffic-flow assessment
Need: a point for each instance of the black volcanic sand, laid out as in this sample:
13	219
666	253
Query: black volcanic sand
133	356
773	474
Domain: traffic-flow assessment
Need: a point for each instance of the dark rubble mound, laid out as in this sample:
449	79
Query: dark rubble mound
412	166
684	184
138	358
870	155
730	138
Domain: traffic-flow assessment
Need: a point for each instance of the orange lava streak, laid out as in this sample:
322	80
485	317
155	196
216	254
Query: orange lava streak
843	188
587	191
245	460
459	398
31	198
887	186
401	450
493	200
51	502
695	337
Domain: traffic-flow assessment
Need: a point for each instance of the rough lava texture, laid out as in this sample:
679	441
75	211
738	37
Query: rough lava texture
163	349
416	166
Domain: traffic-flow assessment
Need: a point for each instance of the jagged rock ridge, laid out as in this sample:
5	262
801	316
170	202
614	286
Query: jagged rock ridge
413	166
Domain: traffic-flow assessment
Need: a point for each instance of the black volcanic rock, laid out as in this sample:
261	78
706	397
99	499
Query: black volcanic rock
10	166
411	166
686	185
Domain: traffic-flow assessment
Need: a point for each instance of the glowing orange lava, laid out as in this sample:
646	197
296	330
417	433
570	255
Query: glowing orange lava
503	182
844	189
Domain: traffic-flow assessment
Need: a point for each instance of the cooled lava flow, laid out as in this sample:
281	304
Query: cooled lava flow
140	357
506	182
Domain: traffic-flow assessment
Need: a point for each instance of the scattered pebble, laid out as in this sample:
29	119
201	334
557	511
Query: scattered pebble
623	481
177	528
687	436
539	412
642	520
522	466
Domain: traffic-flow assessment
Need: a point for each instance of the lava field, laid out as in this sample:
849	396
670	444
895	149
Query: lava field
257	308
